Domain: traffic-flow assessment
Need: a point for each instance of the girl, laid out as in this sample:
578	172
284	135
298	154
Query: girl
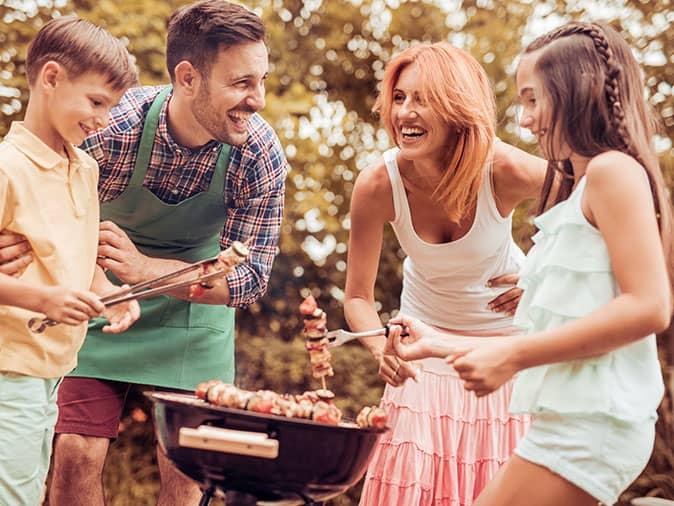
596	285
449	191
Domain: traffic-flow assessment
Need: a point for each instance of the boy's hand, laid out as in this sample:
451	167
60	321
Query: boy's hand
117	253
121	316
71	307
15	254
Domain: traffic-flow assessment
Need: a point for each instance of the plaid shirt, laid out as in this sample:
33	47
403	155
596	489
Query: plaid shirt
254	185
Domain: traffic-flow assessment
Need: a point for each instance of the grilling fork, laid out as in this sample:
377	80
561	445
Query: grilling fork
341	336
158	285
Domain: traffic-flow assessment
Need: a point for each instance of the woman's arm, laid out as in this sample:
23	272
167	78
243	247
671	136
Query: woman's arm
517	176
371	209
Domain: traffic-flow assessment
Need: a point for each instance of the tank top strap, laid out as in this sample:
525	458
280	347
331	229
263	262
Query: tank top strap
400	206
486	201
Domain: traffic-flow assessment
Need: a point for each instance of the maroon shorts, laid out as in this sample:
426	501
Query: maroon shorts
92	407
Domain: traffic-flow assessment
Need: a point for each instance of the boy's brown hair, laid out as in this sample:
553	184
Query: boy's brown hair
197	32
80	46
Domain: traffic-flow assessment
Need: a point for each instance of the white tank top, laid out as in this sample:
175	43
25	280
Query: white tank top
446	284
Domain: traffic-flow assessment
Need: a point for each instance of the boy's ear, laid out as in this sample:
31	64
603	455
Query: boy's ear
51	73
188	78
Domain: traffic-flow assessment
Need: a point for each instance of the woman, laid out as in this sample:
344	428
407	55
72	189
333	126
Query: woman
590	372
448	189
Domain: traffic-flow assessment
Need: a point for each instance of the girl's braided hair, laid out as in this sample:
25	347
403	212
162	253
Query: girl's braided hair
595	87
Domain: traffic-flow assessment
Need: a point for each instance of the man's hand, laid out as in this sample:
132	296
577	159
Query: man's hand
121	316
15	254
117	253
506	302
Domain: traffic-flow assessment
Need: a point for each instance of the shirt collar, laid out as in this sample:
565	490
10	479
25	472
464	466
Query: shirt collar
35	148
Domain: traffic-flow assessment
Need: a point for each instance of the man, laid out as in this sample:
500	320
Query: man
185	170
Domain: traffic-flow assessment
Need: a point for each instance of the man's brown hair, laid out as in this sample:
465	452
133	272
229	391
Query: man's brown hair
197	32
80	46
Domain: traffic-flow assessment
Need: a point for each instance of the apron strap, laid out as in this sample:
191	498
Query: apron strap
218	180
147	138
147	141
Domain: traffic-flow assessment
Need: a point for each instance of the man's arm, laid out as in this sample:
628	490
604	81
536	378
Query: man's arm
255	212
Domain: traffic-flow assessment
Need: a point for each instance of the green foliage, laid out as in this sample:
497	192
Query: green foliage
327	58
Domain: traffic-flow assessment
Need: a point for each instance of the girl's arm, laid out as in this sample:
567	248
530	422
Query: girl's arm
618	202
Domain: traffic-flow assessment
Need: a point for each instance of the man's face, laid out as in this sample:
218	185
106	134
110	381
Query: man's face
232	91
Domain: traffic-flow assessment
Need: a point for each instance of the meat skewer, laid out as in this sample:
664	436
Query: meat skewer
315	332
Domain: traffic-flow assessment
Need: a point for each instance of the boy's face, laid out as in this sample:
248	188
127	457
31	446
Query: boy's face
78	107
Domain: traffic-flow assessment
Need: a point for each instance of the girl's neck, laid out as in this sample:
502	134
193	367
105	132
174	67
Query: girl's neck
579	164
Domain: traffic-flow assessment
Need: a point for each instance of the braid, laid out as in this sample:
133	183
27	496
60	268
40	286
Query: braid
611	87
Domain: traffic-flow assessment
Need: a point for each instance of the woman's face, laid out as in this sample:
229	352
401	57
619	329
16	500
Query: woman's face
536	110
419	131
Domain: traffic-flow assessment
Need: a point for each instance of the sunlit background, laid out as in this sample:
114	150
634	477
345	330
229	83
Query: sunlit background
327	58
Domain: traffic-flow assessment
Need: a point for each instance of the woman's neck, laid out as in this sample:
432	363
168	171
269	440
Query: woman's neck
579	164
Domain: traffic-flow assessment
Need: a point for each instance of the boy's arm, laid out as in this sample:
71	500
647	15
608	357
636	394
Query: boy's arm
121	316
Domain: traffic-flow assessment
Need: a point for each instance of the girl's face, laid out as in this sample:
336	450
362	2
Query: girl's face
419	131
536	109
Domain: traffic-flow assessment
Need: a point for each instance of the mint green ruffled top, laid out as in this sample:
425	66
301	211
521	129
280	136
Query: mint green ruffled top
568	275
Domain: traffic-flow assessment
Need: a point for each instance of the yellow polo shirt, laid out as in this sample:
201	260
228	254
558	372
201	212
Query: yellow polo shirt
53	201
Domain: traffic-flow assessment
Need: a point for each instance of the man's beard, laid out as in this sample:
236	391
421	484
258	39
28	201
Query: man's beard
208	118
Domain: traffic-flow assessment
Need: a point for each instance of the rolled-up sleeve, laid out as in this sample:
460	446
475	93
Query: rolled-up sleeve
255	213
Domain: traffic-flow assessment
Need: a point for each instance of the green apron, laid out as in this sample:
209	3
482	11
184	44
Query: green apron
175	343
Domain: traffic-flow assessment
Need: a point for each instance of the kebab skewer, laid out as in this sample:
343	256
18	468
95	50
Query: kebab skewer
315	332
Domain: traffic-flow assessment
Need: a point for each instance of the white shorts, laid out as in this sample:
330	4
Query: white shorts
598	453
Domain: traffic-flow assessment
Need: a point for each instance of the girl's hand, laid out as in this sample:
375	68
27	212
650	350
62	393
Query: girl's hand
484	368
121	316
70	307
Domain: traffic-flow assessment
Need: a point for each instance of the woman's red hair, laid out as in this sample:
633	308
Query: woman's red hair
456	86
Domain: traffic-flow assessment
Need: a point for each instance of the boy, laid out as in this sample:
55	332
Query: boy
48	193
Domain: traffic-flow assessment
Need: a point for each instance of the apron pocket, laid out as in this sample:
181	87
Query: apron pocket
215	317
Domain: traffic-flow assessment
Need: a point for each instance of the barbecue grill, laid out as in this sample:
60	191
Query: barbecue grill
260	458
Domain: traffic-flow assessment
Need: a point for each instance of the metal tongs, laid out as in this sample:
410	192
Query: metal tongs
161	284
341	336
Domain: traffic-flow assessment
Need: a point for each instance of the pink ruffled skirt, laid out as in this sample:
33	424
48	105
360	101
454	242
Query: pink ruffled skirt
444	445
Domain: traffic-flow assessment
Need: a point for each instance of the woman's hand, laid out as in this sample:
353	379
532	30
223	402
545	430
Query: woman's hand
422	341
395	371
15	254
121	316
507	301
484	367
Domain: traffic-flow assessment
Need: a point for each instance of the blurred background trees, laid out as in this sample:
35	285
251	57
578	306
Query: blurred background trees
327	57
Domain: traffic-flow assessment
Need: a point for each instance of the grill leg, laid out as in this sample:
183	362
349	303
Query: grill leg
207	496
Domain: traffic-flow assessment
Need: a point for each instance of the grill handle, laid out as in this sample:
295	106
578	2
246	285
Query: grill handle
239	442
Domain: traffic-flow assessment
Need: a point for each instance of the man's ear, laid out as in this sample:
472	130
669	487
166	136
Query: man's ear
50	75
188	78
